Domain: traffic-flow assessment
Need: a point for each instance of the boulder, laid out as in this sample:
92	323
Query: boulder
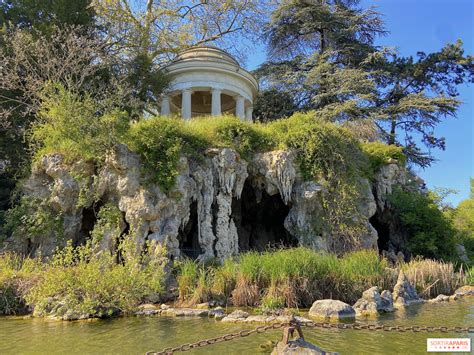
236	316
217	313
404	294
185	312
204	305
300	347
467	290
147	310
332	310
373	302
440	298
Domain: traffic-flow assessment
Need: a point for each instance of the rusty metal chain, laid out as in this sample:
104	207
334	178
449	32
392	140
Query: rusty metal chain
226	337
353	326
387	328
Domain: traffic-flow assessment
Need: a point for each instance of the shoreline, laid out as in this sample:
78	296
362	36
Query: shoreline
245	315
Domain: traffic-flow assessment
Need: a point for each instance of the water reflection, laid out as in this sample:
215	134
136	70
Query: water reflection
135	335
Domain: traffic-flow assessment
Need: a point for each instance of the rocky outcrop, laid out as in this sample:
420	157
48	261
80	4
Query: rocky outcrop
440	298
299	346
331	310
404	294
373	302
201	214
467	290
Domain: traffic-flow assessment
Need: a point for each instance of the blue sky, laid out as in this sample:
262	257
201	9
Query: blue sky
427	25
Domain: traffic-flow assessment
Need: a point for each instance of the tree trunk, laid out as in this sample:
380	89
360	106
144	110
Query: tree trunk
392	137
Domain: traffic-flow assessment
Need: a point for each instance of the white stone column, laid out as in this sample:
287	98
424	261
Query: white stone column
216	102
186	104
248	113
165	105
240	107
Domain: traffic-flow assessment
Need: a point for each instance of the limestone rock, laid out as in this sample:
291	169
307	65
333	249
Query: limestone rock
454	297
236	316
467	290
439	298
300	347
404	294
202	201
461	251
147	310
332	310
277	171
373	302
185	312
217	313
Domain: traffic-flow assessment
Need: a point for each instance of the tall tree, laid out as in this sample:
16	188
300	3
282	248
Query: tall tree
38	18
415	94
329	62
149	33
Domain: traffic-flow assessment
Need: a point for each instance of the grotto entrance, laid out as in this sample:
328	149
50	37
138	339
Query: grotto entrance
88	221
259	219
188	235
383	231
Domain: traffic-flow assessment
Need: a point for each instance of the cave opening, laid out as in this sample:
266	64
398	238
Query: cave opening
383	231
188	235
88	221
259	219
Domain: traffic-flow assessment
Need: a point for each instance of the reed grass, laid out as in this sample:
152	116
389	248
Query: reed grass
433	277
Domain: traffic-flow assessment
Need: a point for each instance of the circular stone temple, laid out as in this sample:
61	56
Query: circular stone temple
208	81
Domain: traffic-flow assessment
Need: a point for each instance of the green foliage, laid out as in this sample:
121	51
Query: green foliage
80	283
158	141
380	154
431	233
327	60
44	15
34	218
271	105
17	275
70	125
327	152
193	282
161	141
463	219
330	155
109	219
230	132
288	277
147	80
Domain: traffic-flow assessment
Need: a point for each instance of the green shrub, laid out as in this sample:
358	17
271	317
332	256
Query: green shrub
70	125
330	155
380	154
17	275
463	220
430	232
158	141
109	219
227	132
80	283
33	217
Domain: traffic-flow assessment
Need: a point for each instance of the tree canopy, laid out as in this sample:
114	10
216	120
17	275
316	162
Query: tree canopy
323	53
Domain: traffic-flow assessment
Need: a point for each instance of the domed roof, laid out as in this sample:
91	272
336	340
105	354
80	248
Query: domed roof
205	53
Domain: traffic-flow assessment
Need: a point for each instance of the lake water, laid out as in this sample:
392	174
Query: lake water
136	335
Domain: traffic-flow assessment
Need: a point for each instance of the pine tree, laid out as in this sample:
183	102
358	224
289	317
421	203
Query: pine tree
323	52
